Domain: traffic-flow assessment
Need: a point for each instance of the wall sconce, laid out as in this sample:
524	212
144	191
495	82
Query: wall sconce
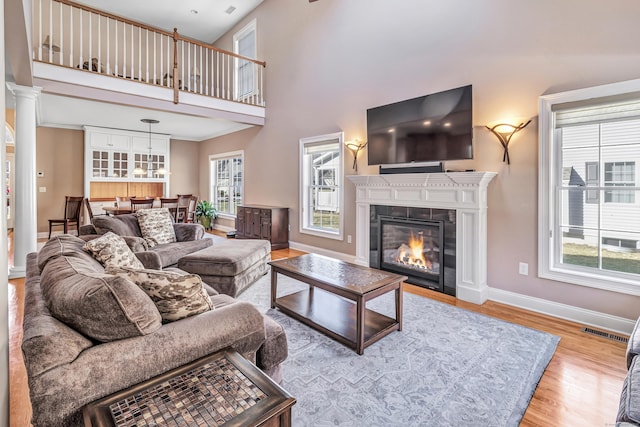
505	132
355	148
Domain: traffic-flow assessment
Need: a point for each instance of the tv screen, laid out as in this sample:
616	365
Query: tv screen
429	128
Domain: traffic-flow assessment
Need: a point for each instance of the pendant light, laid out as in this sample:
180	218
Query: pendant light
138	170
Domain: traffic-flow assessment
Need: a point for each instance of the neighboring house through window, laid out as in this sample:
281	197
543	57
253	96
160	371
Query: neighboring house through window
321	195
589	212
227	181
244	44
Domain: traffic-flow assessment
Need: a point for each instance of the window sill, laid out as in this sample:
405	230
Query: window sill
320	233
582	278
225	215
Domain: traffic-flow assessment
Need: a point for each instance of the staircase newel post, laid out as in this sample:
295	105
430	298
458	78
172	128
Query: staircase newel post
176	81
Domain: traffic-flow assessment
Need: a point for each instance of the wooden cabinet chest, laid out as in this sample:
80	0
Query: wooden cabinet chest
264	222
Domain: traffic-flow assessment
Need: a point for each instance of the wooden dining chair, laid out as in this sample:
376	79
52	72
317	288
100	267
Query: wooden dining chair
171	204
183	207
124	202
191	210
72	209
137	204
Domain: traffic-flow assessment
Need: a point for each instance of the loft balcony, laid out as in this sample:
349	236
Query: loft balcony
83	52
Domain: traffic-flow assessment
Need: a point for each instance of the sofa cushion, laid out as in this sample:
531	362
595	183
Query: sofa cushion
629	410
65	244
47	342
175	295
122	225
101	306
112	251
228	258
170	253
156	226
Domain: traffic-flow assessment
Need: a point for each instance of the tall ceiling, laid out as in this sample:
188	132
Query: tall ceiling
204	20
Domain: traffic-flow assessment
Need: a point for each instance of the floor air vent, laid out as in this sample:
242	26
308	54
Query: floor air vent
605	335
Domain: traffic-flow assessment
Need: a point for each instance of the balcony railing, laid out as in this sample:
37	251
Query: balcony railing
76	36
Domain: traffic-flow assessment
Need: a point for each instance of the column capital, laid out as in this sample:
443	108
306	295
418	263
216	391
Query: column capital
24	91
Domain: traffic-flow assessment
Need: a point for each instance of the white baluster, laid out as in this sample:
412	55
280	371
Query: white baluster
217	74
61	34
200	62
155	59
189	71
98	65
81	40
162	62
115	42
108	70
147	55
139	54
169	59
40	30
90	59
71	37
50	32
132	57
124	50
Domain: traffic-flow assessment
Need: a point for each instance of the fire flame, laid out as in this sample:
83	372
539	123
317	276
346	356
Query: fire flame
413	253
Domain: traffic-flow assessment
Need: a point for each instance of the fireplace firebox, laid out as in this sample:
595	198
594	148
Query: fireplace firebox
413	248
419	243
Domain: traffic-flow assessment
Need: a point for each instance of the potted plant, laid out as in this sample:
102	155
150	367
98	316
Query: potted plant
206	213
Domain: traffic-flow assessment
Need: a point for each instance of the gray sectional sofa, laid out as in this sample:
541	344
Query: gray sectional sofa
67	368
190	238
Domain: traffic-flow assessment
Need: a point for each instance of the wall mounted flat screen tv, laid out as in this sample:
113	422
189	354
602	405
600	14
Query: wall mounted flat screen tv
430	128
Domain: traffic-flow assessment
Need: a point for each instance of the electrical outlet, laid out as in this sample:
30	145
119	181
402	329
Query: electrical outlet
524	269
43	189
349	238
289	227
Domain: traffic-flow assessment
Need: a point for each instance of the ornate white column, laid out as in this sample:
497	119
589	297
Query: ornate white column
25	223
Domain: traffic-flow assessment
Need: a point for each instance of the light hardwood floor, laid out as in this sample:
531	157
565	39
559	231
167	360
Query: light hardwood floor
581	385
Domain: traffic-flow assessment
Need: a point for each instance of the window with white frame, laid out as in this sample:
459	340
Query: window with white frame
227	181
244	44
589	212
321	178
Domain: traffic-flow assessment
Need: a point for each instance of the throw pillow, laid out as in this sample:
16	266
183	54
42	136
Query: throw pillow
112	251
176	296
98	305
156	226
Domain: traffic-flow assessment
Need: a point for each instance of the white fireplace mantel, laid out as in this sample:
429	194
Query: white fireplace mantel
466	192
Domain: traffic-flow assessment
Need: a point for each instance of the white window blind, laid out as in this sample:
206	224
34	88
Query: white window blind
597	113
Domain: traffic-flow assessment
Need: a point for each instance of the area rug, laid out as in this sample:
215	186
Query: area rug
447	367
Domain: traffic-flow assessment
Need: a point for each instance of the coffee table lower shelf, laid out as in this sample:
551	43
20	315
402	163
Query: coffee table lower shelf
335	316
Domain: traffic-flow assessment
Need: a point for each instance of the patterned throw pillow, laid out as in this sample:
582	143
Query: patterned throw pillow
112	251
156	226
176	296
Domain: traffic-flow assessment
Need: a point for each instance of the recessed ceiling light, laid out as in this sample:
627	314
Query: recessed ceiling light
195	12
391	130
447	124
427	123
229	10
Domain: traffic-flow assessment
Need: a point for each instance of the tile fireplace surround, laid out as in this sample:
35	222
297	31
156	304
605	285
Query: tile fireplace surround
466	192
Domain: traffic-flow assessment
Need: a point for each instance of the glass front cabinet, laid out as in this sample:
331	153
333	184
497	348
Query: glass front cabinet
119	157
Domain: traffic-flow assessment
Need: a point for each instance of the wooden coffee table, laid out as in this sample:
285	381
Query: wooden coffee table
220	389
338	307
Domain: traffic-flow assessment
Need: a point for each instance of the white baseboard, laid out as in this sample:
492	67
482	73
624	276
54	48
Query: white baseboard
563	311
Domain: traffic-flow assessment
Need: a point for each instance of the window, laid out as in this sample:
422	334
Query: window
592	173
244	44
589	227
620	174
227	182
321	179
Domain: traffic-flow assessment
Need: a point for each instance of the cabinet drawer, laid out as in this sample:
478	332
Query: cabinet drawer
265	213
